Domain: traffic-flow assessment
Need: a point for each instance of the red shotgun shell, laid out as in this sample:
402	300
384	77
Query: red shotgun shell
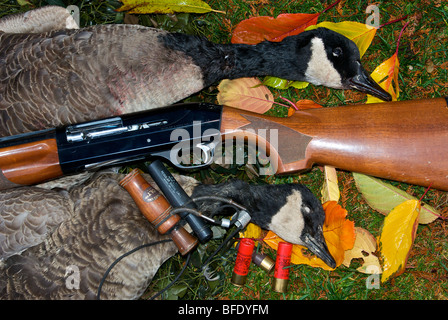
242	263
282	262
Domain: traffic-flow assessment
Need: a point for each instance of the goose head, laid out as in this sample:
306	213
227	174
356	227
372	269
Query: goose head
335	62
289	210
321	57
300	221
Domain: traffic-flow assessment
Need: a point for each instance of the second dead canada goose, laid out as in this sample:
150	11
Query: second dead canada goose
48	234
59	77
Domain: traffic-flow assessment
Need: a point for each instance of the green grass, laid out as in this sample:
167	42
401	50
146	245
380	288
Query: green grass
423	43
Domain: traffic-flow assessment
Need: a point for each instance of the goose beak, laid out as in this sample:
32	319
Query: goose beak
320	249
363	82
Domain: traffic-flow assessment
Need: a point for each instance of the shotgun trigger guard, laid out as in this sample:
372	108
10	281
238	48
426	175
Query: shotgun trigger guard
208	149
207	152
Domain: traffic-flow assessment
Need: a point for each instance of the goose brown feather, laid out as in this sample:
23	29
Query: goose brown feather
69	76
92	224
38	20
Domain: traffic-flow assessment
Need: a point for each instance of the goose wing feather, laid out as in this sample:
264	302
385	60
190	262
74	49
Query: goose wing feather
28	215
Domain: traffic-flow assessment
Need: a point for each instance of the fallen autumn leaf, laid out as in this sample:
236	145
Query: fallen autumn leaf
397	236
165	6
364	248
245	93
339	234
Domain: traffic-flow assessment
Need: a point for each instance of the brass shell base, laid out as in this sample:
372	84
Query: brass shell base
238	280
280	285
267	264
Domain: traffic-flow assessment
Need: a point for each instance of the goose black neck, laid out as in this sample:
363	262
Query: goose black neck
231	61
262	201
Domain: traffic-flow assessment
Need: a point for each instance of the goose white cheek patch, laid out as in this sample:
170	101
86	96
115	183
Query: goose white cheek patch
288	223
320	70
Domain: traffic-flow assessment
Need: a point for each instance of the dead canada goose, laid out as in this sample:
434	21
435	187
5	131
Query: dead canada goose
67	76
46	235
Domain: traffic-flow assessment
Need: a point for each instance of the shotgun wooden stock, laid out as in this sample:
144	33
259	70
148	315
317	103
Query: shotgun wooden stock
405	141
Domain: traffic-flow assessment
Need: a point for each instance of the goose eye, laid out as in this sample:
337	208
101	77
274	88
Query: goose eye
337	52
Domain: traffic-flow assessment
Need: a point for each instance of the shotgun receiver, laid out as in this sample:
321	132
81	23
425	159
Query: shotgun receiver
404	141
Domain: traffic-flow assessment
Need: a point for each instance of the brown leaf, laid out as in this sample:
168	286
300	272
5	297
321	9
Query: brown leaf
245	93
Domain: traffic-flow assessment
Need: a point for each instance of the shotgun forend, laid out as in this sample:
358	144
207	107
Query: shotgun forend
34	157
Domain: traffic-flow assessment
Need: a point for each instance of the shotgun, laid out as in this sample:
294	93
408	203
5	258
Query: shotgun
403	141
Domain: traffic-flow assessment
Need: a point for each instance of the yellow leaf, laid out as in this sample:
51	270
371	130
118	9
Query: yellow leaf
299	84
397	236
387	72
252	231
165	6
330	188
364	248
361	34
384	74
339	235
245	93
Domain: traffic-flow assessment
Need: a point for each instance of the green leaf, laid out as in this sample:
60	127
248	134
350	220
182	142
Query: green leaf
383	197
165	6
23	2
279	83
177	291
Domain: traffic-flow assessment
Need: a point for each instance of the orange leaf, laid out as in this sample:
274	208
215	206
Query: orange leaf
307	104
258	29
339	234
